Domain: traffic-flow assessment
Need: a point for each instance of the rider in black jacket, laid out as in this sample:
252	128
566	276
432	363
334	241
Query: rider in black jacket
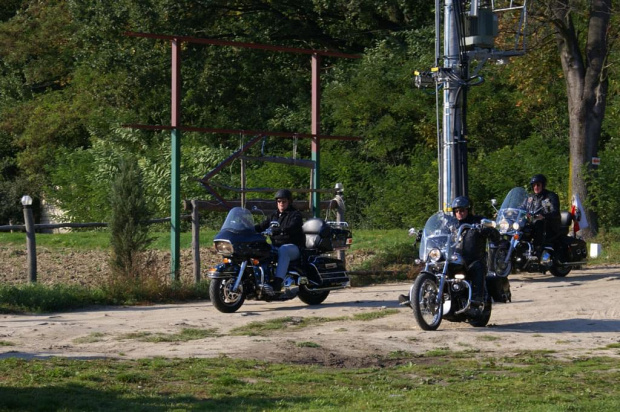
288	238
544	206
473	246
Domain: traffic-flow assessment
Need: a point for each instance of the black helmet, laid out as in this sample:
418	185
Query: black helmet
284	194
461	202
538	179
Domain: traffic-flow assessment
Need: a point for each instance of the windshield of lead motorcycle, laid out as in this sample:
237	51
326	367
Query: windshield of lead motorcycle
439	232
512	210
239	220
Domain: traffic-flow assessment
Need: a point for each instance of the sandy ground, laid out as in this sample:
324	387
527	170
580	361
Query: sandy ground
574	316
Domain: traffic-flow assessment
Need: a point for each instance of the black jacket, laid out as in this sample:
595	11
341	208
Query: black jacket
473	246
290	230
533	205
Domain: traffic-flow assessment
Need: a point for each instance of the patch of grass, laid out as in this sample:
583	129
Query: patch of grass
307	345
186	334
488	338
6	343
295	322
374	314
416	383
613	346
91	338
38	298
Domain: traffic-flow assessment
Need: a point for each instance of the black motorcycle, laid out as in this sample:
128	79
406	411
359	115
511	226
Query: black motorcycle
442	289
515	252
249	263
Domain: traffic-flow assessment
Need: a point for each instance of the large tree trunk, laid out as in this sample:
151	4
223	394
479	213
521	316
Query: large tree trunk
586	83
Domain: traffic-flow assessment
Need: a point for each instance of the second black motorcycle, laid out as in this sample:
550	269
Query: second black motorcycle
515	252
442	290
249	263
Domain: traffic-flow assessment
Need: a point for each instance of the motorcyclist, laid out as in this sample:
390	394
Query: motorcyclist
544	207
473	246
288	238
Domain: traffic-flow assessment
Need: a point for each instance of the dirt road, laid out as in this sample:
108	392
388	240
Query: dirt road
574	316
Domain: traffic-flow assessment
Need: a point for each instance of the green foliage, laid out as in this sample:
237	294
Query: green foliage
70	78
41	298
128	225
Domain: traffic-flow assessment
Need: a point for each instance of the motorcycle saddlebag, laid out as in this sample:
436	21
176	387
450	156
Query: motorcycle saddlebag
572	249
499	288
331	271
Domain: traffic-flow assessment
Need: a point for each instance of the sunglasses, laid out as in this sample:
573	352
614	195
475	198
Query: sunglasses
282	200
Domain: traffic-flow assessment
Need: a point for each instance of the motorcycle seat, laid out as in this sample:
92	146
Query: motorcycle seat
565	221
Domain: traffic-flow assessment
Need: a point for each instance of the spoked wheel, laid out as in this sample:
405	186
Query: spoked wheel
481	320
223	297
426	311
502	268
310	297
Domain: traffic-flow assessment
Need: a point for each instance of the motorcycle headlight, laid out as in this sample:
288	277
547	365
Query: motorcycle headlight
504	225
516	226
434	255
223	247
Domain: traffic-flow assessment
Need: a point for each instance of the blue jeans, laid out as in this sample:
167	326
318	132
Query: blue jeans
286	253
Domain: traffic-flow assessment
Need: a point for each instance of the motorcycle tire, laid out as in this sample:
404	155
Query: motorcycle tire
559	271
426	311
502	268
310	297
482	320
222	296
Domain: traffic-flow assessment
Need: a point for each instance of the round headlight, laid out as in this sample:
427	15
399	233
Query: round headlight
434	255
223	247
504	225
516	226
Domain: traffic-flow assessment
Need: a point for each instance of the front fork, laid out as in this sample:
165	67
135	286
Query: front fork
244	265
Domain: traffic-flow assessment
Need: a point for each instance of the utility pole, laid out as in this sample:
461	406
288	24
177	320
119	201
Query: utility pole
469	29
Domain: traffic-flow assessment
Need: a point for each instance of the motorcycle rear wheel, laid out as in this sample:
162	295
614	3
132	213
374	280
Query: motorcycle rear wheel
426	311
223	297
559	271
310	297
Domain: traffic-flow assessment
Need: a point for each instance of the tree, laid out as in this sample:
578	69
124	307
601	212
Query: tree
127	225
584	63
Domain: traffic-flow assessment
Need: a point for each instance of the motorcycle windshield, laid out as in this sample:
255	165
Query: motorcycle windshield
239	220
440	229
513	207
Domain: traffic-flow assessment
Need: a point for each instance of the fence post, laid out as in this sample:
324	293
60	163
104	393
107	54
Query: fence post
196	240
30	239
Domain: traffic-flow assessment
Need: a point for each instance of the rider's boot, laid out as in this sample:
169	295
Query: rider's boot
276	284
403	300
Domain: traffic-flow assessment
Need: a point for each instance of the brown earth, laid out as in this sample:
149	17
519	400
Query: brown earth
576	316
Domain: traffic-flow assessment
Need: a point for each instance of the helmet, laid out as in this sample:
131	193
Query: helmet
284	194
461	201
538	179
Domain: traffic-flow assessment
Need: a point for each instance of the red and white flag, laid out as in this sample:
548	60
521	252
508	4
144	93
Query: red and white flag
579	214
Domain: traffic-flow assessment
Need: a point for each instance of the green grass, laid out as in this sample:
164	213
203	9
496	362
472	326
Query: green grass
528	381
294	322
100	240
185	335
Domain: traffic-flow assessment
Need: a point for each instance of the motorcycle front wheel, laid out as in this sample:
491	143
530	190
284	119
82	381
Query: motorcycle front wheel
502	268
310	297
223	297
426	311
